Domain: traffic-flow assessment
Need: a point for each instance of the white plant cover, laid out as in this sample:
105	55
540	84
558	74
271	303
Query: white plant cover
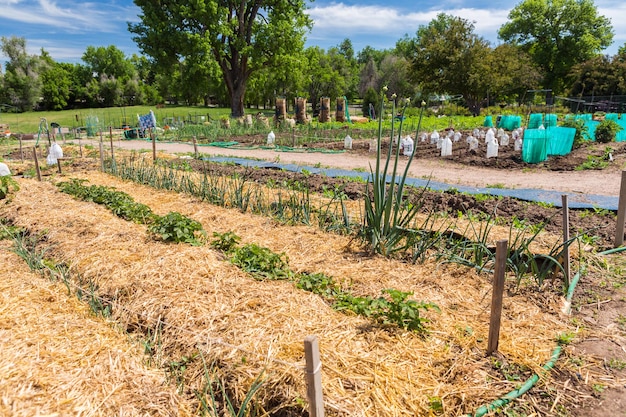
4	170
55	153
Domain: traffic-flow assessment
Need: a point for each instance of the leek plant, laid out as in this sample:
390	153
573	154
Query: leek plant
388	216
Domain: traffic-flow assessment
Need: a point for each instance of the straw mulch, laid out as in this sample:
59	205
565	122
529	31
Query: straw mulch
57	358
194	299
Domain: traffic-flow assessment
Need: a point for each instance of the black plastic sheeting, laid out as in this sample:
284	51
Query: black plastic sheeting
574	200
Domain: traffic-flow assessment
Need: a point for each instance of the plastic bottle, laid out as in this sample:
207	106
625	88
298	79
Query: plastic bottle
504	140
423	137
518	144
446	147
489	136
347	142
473	143
434	137
408	146
492	148
270	138
457	136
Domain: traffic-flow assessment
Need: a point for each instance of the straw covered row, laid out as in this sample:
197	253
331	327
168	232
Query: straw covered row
188	298
57	358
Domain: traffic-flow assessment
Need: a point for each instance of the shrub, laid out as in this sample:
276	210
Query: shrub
607	130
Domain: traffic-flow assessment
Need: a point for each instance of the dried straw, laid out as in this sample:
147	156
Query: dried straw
197	298
59	359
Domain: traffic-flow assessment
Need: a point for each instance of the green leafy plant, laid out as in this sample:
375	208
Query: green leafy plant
174	227
607	130
387	214
317	283
261	262
225	242
7	186
392	308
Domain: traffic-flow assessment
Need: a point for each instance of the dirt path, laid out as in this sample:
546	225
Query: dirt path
599	182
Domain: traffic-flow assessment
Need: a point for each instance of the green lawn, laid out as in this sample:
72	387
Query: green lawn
116	117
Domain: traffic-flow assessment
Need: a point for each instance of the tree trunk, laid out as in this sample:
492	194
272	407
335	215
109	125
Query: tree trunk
236	100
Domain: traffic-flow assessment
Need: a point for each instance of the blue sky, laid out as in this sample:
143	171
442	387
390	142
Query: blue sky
65	28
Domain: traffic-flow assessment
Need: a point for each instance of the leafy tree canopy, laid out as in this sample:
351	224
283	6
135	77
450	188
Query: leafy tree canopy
557	34
241	36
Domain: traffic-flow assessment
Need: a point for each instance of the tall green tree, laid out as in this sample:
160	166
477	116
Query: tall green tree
507	73
557	34
56	86
109	61
445	57
241	36
22	77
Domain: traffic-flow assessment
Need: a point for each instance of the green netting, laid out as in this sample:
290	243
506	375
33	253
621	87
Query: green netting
621	135
611	116
550	120
535	120
586	117
488	121
535	146
510	122
560	140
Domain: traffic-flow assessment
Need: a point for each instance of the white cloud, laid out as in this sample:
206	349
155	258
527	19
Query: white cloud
73	17
378	20
338	21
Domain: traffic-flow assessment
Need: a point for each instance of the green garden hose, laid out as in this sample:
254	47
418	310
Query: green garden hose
530	382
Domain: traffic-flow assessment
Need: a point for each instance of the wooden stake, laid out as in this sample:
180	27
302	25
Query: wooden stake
59	166
195	146
37	163
313	376
80	146
101	153
566	258
21	150
153	137
111	140
496	296
621	213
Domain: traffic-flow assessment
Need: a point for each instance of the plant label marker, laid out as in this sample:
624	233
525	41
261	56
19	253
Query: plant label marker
621	213
496	296
566	258
313	376
195	146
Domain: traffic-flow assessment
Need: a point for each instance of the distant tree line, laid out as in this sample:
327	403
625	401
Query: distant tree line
245	54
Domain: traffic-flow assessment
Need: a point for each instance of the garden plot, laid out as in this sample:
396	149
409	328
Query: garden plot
58	359
188	300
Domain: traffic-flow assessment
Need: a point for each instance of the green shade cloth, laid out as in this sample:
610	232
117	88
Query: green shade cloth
550	120
560	140
535	146
510	122
535	120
